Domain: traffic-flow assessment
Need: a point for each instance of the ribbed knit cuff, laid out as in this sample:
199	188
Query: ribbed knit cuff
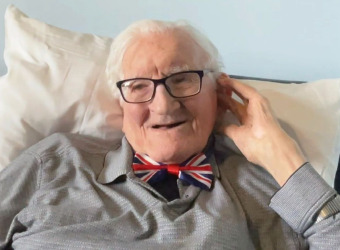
301	198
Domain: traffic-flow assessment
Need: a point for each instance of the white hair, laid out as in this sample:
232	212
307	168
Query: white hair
120	44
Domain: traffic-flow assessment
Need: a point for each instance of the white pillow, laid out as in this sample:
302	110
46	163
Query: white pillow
310	113
56	82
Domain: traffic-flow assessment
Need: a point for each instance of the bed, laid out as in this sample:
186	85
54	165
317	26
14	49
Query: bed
55	82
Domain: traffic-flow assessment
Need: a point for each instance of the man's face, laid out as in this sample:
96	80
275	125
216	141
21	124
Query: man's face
168	129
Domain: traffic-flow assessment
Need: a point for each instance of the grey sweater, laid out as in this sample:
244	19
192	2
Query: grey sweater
74	192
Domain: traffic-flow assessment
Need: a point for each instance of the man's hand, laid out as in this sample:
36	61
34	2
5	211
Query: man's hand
259	136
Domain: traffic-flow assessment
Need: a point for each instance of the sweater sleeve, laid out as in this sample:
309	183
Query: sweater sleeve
299	201
18	182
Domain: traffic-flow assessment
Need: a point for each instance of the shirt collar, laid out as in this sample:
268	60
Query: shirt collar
209	152
118	162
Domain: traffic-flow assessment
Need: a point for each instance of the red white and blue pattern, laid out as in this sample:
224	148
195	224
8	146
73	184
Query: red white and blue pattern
196	170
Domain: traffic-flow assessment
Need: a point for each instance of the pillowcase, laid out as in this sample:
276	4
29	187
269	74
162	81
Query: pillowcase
56	83
309	113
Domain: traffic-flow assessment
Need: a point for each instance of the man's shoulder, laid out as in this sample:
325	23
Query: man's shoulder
65	152
60	142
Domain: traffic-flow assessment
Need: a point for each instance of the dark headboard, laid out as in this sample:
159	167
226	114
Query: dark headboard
264	79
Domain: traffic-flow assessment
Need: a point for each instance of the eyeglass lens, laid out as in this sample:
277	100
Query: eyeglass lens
179	85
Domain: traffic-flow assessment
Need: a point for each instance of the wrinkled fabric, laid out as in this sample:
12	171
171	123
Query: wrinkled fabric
74	192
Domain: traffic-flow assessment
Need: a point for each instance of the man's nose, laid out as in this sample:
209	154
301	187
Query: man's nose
163	103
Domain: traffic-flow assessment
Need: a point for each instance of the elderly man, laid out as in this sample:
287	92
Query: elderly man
170	183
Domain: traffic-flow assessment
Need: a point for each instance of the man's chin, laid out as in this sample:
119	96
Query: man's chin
172	153
168	159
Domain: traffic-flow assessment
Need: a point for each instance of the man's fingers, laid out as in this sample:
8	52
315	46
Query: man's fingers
238	109
225	87
245	92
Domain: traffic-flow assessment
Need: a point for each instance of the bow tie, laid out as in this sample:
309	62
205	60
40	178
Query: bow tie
196	170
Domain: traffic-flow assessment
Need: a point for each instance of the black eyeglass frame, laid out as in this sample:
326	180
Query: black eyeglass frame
157	82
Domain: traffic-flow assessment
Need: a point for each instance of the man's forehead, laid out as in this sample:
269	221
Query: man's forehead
164	72
178	68
162	54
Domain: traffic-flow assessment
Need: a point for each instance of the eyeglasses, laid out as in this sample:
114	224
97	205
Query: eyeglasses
179	85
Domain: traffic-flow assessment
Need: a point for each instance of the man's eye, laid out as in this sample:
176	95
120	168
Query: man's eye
178	80
139	86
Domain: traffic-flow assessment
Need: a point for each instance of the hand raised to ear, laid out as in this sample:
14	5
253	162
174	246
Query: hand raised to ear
259	136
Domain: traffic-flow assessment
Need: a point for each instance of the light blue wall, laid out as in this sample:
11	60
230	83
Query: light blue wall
282	39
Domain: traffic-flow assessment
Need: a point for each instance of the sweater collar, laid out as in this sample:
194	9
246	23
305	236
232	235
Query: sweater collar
118	162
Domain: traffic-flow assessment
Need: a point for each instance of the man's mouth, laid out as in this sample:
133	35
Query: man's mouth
168	126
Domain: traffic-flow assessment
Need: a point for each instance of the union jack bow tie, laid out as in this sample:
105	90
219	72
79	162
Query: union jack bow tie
196	170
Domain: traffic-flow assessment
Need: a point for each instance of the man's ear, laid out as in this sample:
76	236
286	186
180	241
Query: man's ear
223	93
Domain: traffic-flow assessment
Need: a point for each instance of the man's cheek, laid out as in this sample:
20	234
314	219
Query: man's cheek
128	124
